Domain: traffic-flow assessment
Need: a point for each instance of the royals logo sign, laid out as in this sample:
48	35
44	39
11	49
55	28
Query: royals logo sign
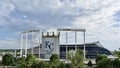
49	47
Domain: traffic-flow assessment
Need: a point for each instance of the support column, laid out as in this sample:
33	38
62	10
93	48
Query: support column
58	35
66	43
84	46
26	46
32	42
75	40
39	42
21	45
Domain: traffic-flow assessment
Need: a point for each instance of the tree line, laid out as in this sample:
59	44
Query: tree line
74	60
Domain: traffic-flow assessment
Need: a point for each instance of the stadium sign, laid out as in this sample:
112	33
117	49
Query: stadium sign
50	45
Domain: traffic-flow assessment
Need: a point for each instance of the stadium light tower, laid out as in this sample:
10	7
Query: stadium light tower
21	44
26	40
75	30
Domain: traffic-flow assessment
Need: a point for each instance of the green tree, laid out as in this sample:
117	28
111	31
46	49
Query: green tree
76	58
54	60
29	60
108	63
8	59
20	66
116	63
104	63
26	62
20	60
68	65
21	63
62	65
43	64
117	53
100	57
37	64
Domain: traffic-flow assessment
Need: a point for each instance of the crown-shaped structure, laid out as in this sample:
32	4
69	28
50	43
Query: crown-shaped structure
49	35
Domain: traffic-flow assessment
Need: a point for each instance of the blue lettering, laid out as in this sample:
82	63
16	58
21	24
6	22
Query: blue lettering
50	46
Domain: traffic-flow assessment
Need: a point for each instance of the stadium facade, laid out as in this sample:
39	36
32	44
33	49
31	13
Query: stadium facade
92	50
50	45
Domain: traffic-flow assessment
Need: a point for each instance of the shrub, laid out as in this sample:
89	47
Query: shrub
54	60
100	57
8	59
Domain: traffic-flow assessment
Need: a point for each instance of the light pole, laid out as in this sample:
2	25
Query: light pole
66	43
32	42
84	45
26	40
26	45
75	40
21	37
40	37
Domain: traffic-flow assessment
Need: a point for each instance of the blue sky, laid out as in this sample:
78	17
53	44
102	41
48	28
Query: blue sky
101	19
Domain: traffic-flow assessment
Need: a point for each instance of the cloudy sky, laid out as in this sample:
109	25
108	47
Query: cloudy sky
101	19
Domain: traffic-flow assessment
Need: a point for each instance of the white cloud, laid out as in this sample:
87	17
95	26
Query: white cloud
97	16
37	6
99	23
5	8
101	18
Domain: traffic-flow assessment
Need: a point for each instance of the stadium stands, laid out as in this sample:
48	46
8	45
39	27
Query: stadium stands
92	50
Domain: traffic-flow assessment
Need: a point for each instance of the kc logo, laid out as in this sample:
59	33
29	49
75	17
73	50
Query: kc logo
49	46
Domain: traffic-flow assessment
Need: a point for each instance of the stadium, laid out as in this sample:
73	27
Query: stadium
50	44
